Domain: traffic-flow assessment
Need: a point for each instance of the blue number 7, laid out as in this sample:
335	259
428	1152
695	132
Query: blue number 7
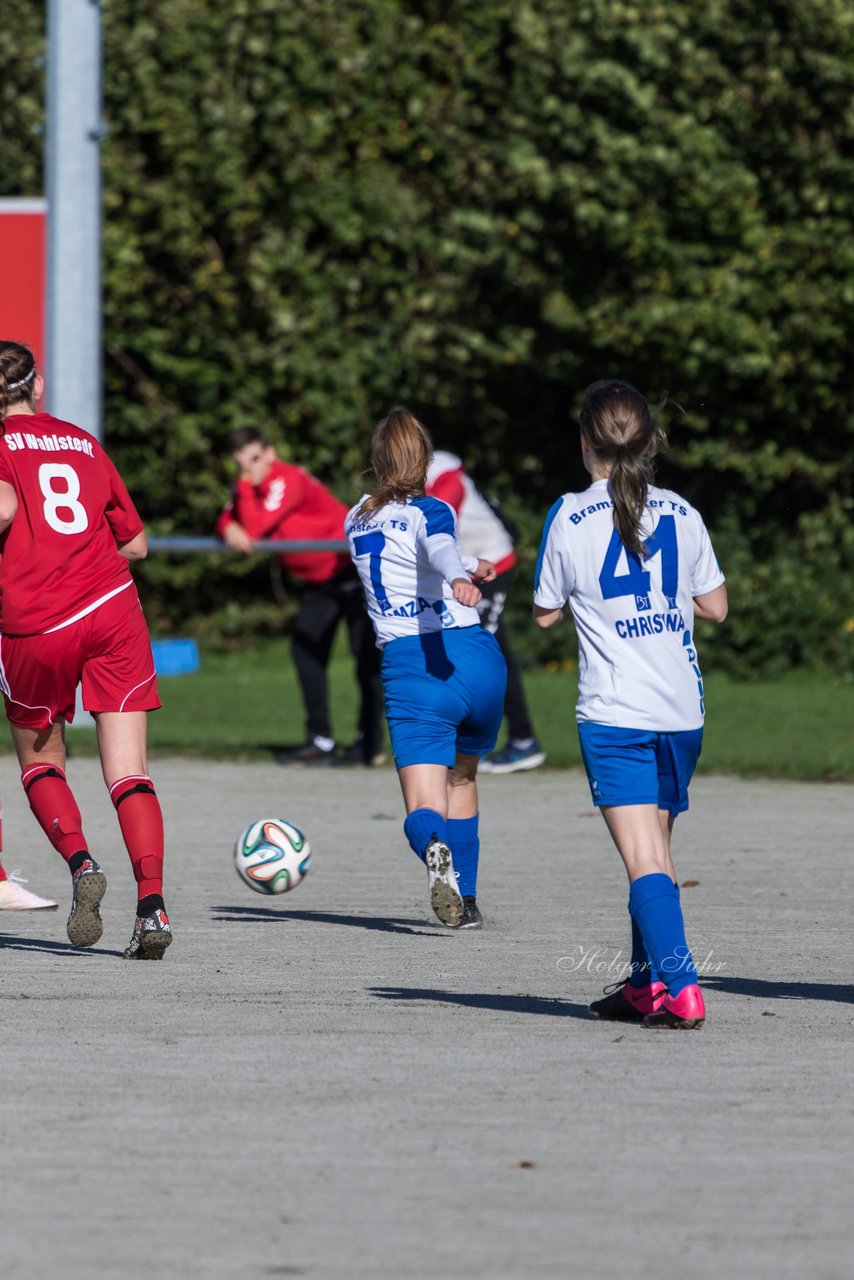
371	544
636	581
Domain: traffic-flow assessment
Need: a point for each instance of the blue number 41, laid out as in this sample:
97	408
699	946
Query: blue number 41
636	581
371	544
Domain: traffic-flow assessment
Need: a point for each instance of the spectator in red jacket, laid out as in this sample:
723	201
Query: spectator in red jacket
277	500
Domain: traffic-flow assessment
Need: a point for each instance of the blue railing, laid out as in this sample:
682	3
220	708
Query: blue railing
183	546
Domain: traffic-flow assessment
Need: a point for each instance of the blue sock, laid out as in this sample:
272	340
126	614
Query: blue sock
643	970
420	827
654	906
465	846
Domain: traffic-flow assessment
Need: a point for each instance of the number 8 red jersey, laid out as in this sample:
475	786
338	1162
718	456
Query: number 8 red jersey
59	555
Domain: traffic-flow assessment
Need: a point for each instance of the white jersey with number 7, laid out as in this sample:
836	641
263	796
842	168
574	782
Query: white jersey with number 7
407	556
637	660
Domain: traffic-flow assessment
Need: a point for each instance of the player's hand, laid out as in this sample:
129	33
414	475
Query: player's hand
236	538
485	571
465	592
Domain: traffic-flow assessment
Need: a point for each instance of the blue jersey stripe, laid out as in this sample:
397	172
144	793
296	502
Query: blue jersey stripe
546	527
439	516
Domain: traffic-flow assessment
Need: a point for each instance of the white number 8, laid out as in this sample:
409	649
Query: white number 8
62	500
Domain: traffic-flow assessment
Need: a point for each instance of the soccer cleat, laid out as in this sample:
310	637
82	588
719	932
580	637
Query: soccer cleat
445	898
311	753
472	919
514	759
680	1013
151	936
14	897
357	754
624	1003
89	885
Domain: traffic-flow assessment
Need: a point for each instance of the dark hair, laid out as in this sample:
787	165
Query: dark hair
400	455
243	436
617	423
18	374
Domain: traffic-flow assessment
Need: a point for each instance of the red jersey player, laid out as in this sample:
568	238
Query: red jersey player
69	614
277	500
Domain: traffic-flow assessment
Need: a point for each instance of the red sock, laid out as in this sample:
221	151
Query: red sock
55	808
141	822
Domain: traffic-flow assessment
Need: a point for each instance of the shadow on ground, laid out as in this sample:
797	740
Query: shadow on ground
844	993
381	924
52	946
479	1000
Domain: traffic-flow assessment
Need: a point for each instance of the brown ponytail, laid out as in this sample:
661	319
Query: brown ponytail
17	376
400	455
617	423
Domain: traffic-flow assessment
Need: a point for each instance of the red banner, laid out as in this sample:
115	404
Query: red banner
23	234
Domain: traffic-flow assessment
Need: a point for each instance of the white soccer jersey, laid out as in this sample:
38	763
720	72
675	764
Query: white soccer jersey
637	662
407	556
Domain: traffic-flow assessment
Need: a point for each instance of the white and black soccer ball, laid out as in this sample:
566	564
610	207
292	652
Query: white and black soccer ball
272	855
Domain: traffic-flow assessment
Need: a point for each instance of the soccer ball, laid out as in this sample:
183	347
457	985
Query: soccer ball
272	855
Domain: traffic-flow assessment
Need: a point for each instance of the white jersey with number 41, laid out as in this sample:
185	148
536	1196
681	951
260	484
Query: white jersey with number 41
637	660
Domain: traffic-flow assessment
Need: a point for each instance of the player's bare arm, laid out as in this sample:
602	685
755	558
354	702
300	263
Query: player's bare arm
8	505
713	606
136	548
547	617
465	592
485	571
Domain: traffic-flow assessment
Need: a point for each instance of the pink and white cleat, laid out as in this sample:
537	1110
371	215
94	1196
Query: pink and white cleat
680	1013
624	1003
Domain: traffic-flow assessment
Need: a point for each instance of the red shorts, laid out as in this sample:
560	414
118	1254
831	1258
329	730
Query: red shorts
108	651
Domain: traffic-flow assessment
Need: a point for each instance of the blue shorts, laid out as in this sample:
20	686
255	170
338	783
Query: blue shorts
444	693
639	766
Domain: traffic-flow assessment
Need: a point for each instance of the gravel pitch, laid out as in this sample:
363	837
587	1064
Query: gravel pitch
330	1084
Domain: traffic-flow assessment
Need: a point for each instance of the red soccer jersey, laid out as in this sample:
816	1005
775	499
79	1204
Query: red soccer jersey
290	503
59	555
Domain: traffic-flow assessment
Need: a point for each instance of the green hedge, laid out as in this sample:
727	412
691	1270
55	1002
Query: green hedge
314	210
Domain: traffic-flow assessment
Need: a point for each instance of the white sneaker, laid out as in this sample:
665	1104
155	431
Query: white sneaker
445	897
14	897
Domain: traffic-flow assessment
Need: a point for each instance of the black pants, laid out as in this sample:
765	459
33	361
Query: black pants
322	606
490	610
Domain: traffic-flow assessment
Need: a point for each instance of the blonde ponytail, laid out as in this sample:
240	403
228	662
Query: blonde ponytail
400	455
